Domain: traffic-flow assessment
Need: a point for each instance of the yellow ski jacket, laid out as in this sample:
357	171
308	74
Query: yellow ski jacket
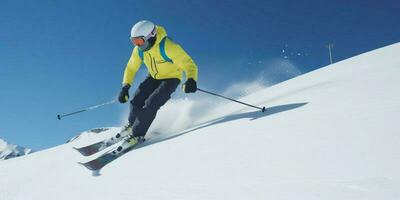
157	65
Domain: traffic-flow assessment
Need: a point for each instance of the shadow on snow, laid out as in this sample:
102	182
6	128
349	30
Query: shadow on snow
248	115
251	115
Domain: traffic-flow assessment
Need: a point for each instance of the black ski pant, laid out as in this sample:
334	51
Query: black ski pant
149	97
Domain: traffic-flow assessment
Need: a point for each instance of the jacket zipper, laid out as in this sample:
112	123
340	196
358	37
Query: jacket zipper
155	66
151	63
155	70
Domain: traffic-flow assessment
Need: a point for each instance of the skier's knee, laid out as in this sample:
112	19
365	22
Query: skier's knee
136	103
150	107
153	104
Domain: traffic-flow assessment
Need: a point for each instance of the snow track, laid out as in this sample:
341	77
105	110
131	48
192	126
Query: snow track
328	134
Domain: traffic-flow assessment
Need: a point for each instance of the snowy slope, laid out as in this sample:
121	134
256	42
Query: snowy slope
8	151
329	134
88	134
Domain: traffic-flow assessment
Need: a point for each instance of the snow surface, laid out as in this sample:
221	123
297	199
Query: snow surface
8	151
328	134
90	133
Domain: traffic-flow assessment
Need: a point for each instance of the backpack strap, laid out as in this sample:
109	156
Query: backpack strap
140	53
162	51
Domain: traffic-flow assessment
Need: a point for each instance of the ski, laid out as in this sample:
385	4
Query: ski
99	146
100	162
108	157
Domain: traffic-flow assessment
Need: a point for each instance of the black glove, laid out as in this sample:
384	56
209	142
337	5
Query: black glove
190	86
124	94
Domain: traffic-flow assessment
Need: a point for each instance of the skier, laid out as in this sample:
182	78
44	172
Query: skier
165	61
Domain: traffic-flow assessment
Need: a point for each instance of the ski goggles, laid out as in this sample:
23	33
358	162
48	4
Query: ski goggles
142	40
138	41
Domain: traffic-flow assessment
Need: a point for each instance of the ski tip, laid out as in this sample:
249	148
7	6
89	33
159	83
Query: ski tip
87	167
85	151
86	154
80	151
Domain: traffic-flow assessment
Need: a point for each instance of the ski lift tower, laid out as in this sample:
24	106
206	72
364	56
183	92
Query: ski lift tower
330	47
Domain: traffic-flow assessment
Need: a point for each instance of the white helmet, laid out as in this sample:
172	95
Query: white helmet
142	29
143	34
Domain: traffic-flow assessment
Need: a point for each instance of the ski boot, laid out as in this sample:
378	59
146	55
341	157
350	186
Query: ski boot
129	143
122	133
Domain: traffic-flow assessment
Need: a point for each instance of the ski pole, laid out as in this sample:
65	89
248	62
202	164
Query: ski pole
262	109
86	109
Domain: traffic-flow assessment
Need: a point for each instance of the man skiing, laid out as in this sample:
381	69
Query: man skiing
165	61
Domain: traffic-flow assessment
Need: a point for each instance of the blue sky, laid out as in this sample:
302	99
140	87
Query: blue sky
57	56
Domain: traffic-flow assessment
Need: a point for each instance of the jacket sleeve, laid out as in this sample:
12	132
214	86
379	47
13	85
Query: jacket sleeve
181	59
132	67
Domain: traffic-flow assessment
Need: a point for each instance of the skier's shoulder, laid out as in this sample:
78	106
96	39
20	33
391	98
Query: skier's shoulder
171	45
137	53
135	50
